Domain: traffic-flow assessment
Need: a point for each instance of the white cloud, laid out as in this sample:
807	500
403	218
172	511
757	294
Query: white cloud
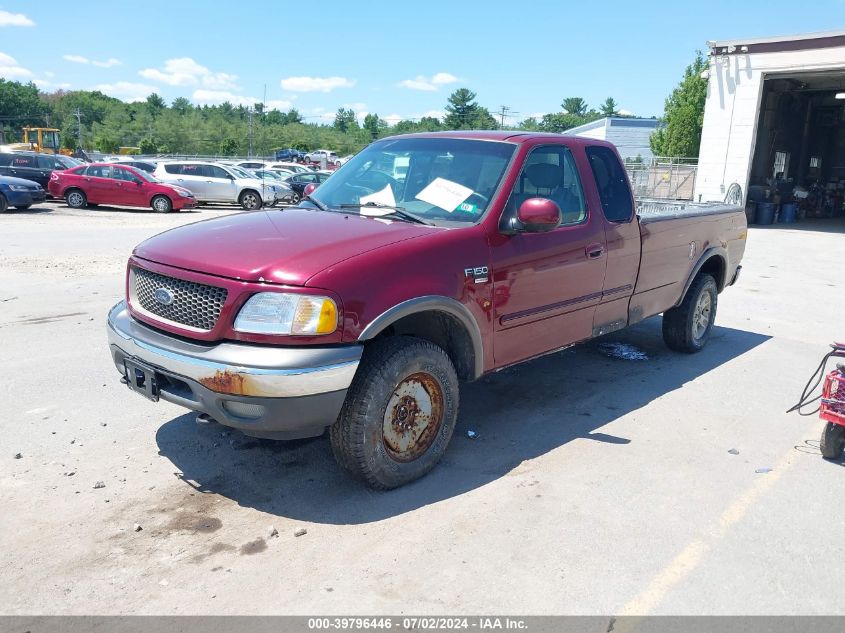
428	84
184	71
9	67
625	112
76	59
49	74
14	19
43	84
278	104
126	90
315	84
111	61
393	119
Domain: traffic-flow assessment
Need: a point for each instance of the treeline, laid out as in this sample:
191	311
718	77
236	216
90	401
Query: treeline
93	120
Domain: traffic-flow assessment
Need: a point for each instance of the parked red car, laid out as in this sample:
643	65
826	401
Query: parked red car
105	183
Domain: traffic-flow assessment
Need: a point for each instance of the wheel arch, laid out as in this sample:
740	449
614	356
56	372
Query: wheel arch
441	320
713	261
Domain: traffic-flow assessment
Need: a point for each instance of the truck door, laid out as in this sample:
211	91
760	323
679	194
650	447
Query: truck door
547	285
623	238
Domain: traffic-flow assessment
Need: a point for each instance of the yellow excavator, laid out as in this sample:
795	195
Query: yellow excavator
44	140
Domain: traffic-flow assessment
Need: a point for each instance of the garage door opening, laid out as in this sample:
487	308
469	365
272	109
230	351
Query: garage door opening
798	167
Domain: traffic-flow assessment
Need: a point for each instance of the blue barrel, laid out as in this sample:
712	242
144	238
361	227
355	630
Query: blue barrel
788	213
765	213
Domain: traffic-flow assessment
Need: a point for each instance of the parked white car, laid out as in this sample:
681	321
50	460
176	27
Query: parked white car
215	182
317	155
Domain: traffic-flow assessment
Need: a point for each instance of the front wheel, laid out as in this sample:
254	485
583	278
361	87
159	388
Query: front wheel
295	198
250	200
162	204
687	327
833	441
4	204
399	413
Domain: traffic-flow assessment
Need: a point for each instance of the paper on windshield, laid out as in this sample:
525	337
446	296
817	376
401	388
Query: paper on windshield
444	194
385	196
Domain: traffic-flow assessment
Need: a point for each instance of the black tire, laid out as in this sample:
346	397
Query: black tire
389	368
296	198
91	205
161	204
22	207
250	200
4	204
687	328
833	441
76	199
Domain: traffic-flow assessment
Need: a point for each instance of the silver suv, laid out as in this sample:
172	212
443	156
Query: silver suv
213	182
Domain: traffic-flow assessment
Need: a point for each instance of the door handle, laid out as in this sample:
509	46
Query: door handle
594	251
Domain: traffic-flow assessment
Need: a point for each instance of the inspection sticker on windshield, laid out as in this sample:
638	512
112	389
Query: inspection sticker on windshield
466	207
385	197
444	194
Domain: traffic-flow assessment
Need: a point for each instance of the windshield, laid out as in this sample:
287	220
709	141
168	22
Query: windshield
268	174
240	173
434	178
69	163
145	175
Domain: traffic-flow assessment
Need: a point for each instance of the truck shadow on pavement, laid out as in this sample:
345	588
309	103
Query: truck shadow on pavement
516	415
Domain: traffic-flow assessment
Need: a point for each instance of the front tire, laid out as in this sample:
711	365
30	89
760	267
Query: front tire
76	199
687	328
161	204
4	204
250	200
833	441
399	414
295	198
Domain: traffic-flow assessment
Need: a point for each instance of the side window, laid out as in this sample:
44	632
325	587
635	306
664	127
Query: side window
307	177
5	160
172	168
48	162
191	170
123	174
19	160
550	172
213	171
99	171
616	200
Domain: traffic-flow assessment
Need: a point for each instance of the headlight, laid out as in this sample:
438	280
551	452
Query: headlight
19	188
284	313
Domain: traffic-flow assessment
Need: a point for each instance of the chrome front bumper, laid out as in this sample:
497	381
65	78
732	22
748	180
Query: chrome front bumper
293	392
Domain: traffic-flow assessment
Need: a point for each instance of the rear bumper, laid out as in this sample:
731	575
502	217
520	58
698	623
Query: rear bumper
282	393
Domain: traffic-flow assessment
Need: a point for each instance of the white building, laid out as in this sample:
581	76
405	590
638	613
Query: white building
774	105
629	135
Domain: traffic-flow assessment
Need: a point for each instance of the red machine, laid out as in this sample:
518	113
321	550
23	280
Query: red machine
831	403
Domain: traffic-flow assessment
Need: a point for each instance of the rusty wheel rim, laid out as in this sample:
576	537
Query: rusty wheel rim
413	417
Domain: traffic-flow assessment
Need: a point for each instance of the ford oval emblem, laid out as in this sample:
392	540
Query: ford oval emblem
163	296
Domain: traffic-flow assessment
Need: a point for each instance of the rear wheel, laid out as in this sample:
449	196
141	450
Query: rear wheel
833	441
399	413
687	327
162	204
295	198
4	204
76	199
250	200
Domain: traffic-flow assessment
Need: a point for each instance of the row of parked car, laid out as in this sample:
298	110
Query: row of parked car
164	186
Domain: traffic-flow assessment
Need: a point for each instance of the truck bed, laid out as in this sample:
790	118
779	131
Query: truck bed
677	237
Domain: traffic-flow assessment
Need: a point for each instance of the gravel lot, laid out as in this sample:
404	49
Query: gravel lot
595	485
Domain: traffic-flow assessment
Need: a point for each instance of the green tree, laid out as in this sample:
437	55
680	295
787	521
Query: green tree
344	120
228	146
181	105
148	146
22	102
461	110
531	124
683	114
483	120
155	104
609	107
372	125
574	105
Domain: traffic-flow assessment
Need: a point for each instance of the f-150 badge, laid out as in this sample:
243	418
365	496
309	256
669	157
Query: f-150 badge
480	274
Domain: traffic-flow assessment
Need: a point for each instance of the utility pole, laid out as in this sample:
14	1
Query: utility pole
503	110
249	110
78	114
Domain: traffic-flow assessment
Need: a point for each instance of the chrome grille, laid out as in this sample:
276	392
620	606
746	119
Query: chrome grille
194	305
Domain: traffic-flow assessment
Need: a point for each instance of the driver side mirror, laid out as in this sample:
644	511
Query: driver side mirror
537	215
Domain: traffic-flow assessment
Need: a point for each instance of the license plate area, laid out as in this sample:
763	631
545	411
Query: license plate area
141	378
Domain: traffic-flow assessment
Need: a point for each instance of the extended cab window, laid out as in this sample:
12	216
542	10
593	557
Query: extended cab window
615	194
550	172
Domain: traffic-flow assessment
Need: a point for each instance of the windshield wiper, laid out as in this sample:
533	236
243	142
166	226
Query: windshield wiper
394	210
321	206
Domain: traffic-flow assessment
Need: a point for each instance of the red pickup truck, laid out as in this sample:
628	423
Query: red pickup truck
363	308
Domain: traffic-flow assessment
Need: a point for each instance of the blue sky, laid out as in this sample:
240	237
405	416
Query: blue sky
400	59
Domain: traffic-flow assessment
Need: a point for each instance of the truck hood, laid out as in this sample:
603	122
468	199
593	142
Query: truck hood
278	246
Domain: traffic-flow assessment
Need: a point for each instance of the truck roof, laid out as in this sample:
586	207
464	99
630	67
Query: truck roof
510	136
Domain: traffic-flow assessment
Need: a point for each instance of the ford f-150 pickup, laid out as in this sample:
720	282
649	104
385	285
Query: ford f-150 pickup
362	309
